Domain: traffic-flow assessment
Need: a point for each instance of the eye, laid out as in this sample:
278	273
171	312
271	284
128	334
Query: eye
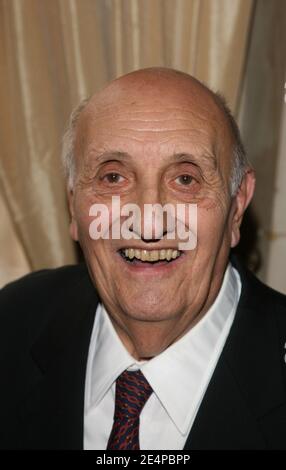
113	178
185	180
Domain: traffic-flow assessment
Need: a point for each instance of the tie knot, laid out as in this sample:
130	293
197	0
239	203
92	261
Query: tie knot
132	392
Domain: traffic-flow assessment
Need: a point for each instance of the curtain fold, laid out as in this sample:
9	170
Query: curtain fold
13	260
261	107
54	53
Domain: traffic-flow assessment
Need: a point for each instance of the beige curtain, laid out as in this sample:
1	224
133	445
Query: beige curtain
52	54
262	106
13	260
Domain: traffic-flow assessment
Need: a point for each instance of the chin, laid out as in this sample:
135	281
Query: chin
145	310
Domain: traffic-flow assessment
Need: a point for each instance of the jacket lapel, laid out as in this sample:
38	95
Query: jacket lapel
224	420
247	383
52	415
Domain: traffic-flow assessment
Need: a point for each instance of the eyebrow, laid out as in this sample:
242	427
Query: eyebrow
176	158
112	155
190	158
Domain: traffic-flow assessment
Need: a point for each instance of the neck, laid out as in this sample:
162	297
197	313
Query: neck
145	339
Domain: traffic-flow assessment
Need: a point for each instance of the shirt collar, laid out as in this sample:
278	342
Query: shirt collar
178	374
109	358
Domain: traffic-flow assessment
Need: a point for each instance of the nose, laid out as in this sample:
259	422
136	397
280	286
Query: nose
153	240
152	226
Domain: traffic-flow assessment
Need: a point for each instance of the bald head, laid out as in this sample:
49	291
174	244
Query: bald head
159	86
156	88
155	83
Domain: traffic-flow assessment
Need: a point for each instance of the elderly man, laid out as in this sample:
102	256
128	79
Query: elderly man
152	346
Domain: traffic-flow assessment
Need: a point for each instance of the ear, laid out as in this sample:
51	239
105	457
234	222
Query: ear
73	223
240	203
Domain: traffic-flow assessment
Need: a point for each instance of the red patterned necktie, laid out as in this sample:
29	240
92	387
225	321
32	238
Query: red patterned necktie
132	392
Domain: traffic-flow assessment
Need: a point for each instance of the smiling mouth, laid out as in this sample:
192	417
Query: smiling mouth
134	255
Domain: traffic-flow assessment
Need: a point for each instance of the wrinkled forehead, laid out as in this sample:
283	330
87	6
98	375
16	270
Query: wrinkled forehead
157	108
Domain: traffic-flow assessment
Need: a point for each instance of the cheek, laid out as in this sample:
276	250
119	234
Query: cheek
82	207
96	251
90	212
212	224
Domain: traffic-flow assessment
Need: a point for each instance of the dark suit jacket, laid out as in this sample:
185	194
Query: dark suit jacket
46	323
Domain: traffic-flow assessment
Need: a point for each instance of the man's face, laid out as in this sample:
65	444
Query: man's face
155	147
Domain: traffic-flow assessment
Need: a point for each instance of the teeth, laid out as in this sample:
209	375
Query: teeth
154	255
169	255
174	254
151	255
137	254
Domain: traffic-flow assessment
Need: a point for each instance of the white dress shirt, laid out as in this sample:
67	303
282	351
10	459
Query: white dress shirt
179	376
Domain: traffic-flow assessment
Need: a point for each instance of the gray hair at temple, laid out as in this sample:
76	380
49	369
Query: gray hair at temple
239	165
